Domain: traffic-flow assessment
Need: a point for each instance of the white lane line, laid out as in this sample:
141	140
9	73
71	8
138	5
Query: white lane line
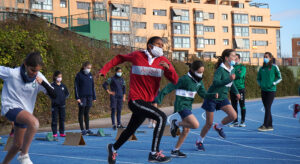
69	157
290	118
288	126
251	147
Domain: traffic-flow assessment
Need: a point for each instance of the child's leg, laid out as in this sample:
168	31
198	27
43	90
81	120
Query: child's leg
231	114
87	117
189	122
182	137
17	144
54	120
62	116
80	116
208	124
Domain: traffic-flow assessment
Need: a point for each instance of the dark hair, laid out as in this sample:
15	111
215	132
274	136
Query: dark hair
34	59
117	69
221	59
271	62
55	74
85	64
196	65
152	40
239	56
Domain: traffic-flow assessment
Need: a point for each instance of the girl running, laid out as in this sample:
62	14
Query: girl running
222	83
267	78
20	89
85	95
148	67
58	105
186	89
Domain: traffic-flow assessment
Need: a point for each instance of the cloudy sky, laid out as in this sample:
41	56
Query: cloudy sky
288	13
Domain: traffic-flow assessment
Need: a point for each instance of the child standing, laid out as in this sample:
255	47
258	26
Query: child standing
58	105
20	89
148	67
117	94
222	83
186	89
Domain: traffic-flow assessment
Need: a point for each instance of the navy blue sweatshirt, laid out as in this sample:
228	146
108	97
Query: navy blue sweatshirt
117	85
84	86
62	94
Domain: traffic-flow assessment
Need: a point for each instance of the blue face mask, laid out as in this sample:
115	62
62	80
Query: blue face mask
266	60
232	62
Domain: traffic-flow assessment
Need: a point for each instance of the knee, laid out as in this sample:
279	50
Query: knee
34	124
233	116
17	145
209	124
195	125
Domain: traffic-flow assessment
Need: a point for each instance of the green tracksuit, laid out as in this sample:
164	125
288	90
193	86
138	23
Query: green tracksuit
186	89
268	78
240	74
222	83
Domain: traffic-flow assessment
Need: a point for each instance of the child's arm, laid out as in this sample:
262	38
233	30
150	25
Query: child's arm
241	74
277	76
66	92
259	77
45	86
170	73
168	89
76	86
4	72
218	82
203	93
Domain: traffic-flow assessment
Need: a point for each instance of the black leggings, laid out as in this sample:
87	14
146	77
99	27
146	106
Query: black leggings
140	111
267	98
234	103
84	111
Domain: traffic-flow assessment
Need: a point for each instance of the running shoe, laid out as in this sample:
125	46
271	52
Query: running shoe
89	132
24	159
114	127
234	124
270	128
83	132
111	155
200	146
120	126
220	131
158	157
62	135
55	135
242	124
262	128
178	154
173	128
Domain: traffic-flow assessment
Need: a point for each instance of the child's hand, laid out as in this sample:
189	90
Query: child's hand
39	80
155	105
217	95
79	101
111	93
164	64
232	77
238	96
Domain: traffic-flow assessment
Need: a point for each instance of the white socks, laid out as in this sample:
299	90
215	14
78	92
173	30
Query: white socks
200	139
153	152
220	125
175	149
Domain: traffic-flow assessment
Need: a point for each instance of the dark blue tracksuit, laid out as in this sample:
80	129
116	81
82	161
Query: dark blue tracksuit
85	91
58	106
117	85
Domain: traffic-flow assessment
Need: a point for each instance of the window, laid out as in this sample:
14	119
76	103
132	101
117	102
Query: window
238	5
165	40
259	31
141	25
63	20
225	29
160	12
196	1
209	41
158	26
120	10
99	11
183	15
140	11
181	28
241	31
199	29
198	16
121	39
82	21
245	56
63	3
278	44
200	43
47	16
20	1
83	5
211	16
240	18
209	54
258	55
121	25
242	43
259	43
225	16
256	18
226	42
298	43
209	28
298	53
139	39
42	5
181	42
179	55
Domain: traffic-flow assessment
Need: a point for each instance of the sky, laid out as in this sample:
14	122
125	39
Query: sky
288	13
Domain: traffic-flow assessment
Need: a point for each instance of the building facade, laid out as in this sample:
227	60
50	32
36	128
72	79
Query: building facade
202	28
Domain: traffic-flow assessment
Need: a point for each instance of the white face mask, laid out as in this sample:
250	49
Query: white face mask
86	71
199	74
119	74
157	51
59	79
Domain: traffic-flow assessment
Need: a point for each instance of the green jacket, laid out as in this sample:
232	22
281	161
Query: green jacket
186	89
267	78
240	74
222	83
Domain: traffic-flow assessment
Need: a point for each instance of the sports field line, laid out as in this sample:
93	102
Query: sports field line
288	126
251	147
290	118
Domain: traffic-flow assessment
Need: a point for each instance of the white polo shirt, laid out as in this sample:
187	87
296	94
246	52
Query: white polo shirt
16	93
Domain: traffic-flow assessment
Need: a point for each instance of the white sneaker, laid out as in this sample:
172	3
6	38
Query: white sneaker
150	125
24	159
154	125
